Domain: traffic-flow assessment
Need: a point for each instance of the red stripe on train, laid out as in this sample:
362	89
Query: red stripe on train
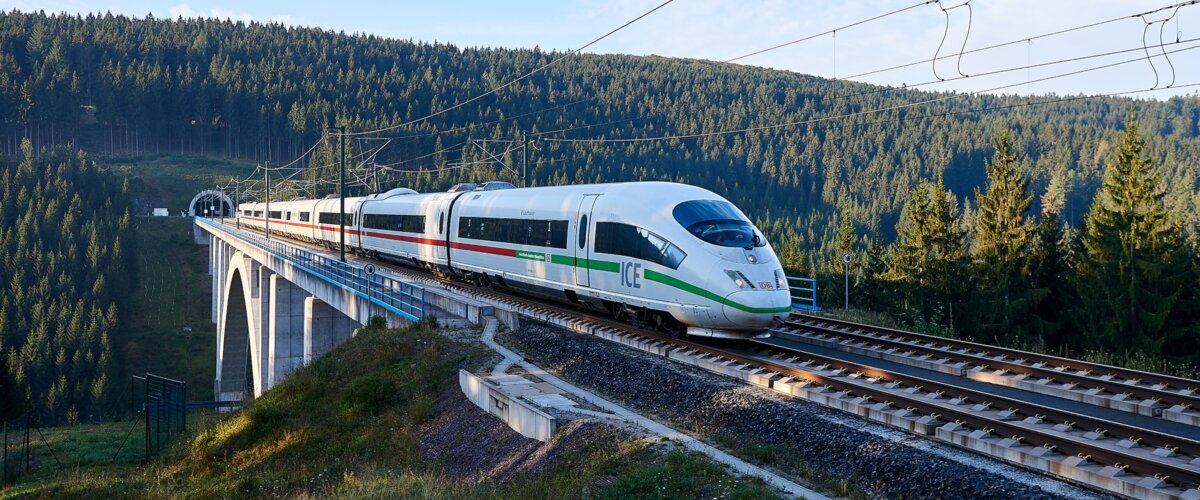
506	252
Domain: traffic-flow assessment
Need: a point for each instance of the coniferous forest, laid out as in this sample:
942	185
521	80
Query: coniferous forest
68	268
1070	223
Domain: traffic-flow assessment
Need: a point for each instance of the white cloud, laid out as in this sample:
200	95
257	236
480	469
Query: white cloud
186	11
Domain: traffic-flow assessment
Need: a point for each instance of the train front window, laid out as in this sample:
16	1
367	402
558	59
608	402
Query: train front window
717	222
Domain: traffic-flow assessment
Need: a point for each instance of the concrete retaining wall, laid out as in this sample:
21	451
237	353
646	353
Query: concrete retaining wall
519	415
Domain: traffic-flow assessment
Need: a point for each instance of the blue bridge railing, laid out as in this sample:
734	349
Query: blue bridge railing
403	298
804	293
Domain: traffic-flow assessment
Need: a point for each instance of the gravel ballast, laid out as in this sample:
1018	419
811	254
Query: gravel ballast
472	445
807	439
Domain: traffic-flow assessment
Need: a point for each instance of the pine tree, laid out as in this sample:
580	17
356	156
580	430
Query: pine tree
1001	257
926	263
873	290
1051	268
1133	270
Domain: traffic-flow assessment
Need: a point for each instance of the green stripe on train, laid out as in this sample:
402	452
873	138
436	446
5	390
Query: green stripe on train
599	265
653	275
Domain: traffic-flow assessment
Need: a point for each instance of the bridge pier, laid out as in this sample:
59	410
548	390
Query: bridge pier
324	328
286	329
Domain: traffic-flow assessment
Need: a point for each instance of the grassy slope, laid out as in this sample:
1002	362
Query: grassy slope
350	424
172	269
172	181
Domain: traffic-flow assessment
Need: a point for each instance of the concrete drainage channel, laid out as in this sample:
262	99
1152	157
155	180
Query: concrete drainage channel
513	398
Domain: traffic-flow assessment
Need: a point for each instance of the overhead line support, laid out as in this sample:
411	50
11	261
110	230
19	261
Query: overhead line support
342	193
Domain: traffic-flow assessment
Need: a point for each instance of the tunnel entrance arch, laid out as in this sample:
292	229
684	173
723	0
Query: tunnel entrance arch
211	203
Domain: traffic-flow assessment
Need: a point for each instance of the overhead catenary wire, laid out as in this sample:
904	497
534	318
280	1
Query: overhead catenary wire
829	31
514	81
490	92
1026	39
1027	67
847	115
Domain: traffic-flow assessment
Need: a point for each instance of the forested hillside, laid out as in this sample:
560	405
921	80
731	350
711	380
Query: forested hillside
269	92
67	263
973	214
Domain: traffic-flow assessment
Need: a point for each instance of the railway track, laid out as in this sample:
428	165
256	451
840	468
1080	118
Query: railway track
1111	456
1012	422
1124	389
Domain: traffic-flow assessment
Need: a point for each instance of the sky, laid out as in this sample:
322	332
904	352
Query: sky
723	30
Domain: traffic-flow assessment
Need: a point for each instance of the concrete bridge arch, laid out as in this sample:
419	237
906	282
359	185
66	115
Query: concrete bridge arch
267	326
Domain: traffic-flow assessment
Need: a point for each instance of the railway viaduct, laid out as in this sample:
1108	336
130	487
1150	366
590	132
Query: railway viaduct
279	306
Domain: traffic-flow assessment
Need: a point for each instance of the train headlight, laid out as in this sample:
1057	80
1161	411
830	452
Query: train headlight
780	279
751	258
738	278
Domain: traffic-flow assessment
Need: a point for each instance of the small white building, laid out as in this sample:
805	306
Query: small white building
161	212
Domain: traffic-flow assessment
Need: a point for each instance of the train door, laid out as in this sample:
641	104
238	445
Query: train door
583	224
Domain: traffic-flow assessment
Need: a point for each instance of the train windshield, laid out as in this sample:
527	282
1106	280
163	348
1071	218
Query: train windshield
717	222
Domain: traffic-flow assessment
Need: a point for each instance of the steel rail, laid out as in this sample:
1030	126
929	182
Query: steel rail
1144	385
1177	473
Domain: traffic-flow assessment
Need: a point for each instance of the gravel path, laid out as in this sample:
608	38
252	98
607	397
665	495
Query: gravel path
807	437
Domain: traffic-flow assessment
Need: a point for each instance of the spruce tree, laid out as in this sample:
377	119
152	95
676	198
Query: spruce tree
1001	256
1133	270
926	263
1051	268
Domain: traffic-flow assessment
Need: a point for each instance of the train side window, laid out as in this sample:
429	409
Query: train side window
401	223
441	222
631	241
583	230
536	232
304	217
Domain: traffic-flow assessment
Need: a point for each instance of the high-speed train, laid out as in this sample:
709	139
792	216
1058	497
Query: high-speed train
671	256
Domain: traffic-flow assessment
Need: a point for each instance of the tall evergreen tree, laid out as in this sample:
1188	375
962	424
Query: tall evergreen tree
926	263
1134	273
1001	256
1051	267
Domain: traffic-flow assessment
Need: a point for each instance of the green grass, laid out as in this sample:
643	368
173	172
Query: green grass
172	181
86	453
349	425
172	269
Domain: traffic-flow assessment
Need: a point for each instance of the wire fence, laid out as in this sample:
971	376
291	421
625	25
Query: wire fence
21	436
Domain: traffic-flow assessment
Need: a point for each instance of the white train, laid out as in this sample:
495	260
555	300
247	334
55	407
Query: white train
660	254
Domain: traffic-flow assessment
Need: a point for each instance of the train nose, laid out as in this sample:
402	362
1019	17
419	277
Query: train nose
757	308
